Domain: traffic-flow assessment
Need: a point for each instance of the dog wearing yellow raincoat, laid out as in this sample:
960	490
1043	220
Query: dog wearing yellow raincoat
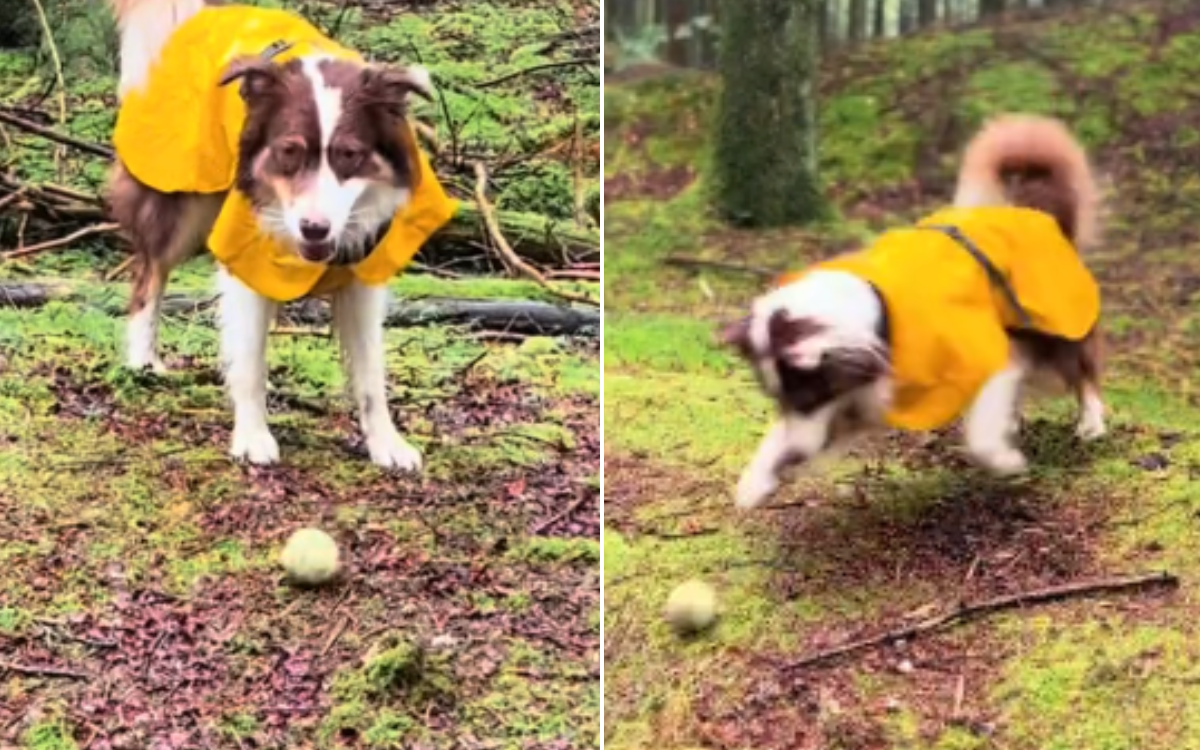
943	319
247	131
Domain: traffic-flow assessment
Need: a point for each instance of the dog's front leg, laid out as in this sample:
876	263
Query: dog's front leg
990	424
245	320
793	438
358	313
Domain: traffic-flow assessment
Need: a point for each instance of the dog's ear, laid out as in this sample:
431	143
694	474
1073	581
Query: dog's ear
391	87
850	368
259	76
796	341
736	335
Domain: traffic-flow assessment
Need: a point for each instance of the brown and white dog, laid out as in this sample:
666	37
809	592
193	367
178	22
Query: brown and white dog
324	173
819	346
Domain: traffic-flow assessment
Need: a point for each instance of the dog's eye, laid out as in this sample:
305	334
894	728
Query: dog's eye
347	159
289	156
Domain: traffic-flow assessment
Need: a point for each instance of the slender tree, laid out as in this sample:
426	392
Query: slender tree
880	19
927	13
765	150
858	20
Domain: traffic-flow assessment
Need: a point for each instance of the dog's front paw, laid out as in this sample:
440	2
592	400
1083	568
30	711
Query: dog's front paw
1091	427
150	363
256	445
390	451
1005	462
755	487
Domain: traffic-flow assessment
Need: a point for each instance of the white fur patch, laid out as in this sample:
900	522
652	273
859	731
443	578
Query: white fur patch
989	422
358	313
143	338
145	28
245	318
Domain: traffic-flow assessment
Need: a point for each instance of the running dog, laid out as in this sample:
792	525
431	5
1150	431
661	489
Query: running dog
941	320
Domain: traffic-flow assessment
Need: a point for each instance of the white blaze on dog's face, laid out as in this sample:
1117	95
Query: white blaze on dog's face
814	340
326	155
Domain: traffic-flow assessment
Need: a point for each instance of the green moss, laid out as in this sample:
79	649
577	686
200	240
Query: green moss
556	549
861	145
50	734
1010	87
665	342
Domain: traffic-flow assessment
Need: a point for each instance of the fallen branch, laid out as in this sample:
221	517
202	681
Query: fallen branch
31	671
509	316
537	238
61	242
53	135
536	68
967	612
505	250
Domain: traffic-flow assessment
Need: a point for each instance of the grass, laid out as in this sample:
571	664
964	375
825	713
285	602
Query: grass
902	527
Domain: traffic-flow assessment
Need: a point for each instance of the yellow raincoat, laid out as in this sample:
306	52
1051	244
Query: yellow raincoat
947	319
179	133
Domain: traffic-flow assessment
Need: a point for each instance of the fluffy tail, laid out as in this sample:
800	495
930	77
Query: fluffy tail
145	26
1033	162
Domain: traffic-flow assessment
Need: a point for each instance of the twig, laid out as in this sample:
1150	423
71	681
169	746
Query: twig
960	693
53	135
559	516
534	69
31	671
120	269
335	635
11	197
58	74
678	260
506	251
577	172
966	612
51	244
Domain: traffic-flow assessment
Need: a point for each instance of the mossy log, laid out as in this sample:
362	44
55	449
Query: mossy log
547	242
509	316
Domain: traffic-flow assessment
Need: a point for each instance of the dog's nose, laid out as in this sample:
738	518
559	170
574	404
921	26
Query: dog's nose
314	231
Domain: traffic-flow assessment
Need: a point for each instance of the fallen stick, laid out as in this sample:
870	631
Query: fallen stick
505	250
525	317
21	123
31	671
966	612
534	69
61	241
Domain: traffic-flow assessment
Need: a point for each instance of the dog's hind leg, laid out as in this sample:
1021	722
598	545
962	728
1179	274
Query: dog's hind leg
358	315
165	229
245	321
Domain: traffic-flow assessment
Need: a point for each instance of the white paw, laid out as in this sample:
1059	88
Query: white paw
1005	461
1091	427
754	488
256	445
142	362
390	451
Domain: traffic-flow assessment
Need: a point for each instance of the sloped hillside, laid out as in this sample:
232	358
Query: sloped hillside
904	529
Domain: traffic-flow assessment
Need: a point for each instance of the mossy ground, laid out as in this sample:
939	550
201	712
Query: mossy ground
136	554
904	527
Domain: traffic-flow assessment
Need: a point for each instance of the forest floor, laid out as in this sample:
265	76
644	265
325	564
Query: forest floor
141	601
904	529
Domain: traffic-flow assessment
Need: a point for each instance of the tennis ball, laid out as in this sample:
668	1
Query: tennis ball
692	607
310	557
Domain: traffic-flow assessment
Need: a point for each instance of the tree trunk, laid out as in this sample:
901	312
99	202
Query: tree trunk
880	19
858	20
990	8
927	13
766	156
908	16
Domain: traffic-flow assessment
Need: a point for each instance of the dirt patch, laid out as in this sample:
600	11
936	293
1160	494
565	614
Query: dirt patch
653	184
